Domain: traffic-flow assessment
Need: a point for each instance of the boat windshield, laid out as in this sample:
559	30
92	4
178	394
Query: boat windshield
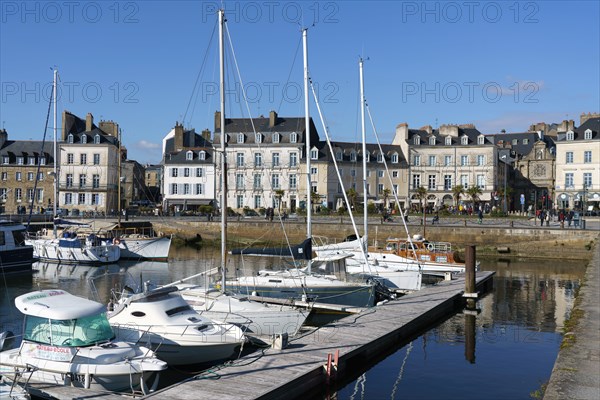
79	332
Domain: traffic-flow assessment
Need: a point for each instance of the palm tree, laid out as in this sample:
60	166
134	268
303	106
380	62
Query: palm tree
457	191
314	198
421	193
474	192
351	193
279	195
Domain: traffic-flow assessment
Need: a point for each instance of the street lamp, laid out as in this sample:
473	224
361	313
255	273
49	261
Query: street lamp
504	201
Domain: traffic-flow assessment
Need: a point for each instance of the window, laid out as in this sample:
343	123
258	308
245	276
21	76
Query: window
258	138
352	172
380	173
239	181
95	181
379	158
314	154
339	155
276	137
42	160
368	174
5	176
84	139
275	181
417	140
186	188
199	172
587	135
96	159
70	138
448	140
81	198
173	188
570	136
95	199
464	160
83	159
18	194
447	161
464	181
40	195
395	158
368	156
569	157
416	181
293	159
41	176
431	182
30	176
480	139
293	137
313	171
18	176
481	181
464	140
174	172
257	178
275	159
416	160
97	139
70	158
587	156
189	156
395	188
480	160
525	141
240	138
258	159
353	156
293	182
82	180
569	180
257	201
341	172
5	159
68	198
31	160
368	188
199	188
29	194
432	161
339	188
20	160
69	180
447	182
432	141
587	179
380	188
239	201
186	172
394	174
202	155
239	159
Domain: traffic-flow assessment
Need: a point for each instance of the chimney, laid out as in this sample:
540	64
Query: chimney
178	139
272	119
206	135
540	134
427	128
401	134
110	128
217	121
89	121
449	130
3	137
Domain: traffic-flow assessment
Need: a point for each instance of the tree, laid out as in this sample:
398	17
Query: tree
386	195
314	198
457	191
474	192
279	195
509	193
351	193
421	193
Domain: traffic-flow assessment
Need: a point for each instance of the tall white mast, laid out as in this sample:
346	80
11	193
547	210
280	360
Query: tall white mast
364	151
56	177
307	141
223	154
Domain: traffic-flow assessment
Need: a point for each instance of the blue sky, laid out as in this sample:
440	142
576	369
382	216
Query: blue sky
499	65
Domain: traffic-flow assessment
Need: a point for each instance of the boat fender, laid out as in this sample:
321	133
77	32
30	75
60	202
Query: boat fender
44	232
87	381
430	246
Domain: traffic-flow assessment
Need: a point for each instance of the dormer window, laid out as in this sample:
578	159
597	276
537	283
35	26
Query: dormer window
293	137
258	138
97	139
464	140
417	140
432	141
20	160
314	154
379	158
5	159
31	160
353	156
84	139
276	137
448	141
189	155
515	142
339	155
240	138
42	160
395	158
525	141
368	156
587	135
70	138
202	155
570	135
480	139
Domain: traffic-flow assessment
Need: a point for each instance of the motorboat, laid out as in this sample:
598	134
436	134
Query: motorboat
73	245
68	340
162	319
15	254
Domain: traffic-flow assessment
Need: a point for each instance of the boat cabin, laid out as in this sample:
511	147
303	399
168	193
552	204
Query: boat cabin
439	252
333	265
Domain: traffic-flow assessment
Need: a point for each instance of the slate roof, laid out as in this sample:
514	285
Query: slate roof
348	147
579	133
471	133
284	126
180	157
191	139
26	148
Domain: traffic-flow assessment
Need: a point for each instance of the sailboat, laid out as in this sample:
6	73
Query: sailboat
66	243
327	284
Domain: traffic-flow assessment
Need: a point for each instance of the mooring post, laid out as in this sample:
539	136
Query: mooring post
470	293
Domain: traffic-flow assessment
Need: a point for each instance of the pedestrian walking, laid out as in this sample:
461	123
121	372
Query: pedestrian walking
480	216
569	218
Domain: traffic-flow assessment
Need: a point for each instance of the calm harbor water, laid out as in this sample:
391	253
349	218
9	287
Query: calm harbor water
505	352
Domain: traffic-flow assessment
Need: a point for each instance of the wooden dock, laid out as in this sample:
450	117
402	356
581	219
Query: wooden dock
360	338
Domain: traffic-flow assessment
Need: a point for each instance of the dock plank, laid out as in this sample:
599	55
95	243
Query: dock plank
279	374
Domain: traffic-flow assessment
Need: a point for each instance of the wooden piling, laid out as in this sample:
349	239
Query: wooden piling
470	293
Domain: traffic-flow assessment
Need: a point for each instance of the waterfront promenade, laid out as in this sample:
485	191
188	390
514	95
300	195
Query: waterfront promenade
576	373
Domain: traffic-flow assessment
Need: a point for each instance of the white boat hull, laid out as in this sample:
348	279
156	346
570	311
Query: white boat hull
52	251
145	248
